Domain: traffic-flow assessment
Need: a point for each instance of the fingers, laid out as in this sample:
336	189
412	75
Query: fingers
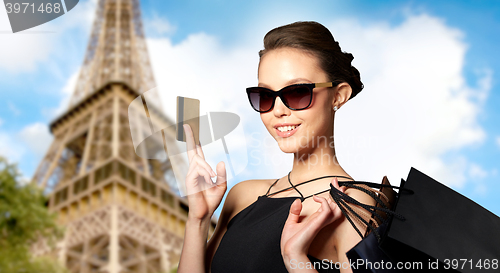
308	229
325	204
195	149
294	215
206	175
190	145
221	173
196	174
199	171
197	161
199	151
335	183
299	235
220	185
327	212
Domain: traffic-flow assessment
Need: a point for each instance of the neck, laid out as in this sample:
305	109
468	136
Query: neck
318	160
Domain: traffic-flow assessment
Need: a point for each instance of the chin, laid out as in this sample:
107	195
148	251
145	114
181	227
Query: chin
288	147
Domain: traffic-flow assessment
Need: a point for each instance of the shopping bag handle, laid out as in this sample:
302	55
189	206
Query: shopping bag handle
342	200
374	185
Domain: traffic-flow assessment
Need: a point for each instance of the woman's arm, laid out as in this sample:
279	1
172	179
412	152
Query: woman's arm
196	250
346	235
194	247
203	198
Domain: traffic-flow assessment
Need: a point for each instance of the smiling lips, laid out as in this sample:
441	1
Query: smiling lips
286	129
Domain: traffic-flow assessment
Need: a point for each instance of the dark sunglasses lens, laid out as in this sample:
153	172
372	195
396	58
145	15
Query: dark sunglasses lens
297	97
261	100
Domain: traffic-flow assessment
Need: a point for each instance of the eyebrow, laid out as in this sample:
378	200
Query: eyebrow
290	82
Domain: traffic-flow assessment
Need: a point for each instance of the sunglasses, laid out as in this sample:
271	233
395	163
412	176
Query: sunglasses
295	96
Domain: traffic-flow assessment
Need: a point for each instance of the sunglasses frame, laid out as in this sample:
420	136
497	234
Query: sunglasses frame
279	93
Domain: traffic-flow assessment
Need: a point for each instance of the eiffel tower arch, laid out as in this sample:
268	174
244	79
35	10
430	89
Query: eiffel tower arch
121	212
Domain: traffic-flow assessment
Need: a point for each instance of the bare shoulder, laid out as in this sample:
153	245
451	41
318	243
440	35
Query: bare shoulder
239	197
348	237
245	193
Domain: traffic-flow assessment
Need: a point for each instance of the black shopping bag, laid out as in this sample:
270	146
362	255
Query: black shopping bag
368	257
442	230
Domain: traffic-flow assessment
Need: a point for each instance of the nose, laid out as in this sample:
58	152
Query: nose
280	108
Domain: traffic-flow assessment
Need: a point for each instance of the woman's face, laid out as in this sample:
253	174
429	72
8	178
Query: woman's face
282	67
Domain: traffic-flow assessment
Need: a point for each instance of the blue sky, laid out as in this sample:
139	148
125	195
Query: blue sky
430	70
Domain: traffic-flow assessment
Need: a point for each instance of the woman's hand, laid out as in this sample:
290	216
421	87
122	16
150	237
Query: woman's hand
297	235
203	195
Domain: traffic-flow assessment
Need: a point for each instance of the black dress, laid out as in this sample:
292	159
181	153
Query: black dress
252	240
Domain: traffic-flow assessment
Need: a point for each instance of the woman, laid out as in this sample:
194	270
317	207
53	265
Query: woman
272	225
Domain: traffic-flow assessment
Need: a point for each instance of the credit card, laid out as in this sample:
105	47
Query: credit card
188	112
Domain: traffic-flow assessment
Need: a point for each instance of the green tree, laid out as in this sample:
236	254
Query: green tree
24	219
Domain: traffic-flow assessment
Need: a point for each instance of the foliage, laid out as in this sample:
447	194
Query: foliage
24	219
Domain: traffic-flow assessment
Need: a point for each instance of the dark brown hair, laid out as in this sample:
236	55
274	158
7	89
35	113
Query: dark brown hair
316	39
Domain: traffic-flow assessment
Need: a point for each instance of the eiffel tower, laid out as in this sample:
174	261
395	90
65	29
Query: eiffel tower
121	212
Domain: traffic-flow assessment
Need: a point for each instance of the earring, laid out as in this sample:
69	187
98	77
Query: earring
335	108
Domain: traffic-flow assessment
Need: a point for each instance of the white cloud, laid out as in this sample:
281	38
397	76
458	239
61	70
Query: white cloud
201	68
21	51
25	51
416	104
10	148
33	139
156	25
477	171
66	93
498	141
36	137
477	175
416	107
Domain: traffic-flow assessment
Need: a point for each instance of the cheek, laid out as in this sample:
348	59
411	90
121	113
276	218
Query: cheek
319	114
322	103
265	119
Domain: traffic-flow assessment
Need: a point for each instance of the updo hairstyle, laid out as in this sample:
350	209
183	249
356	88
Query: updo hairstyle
317	40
